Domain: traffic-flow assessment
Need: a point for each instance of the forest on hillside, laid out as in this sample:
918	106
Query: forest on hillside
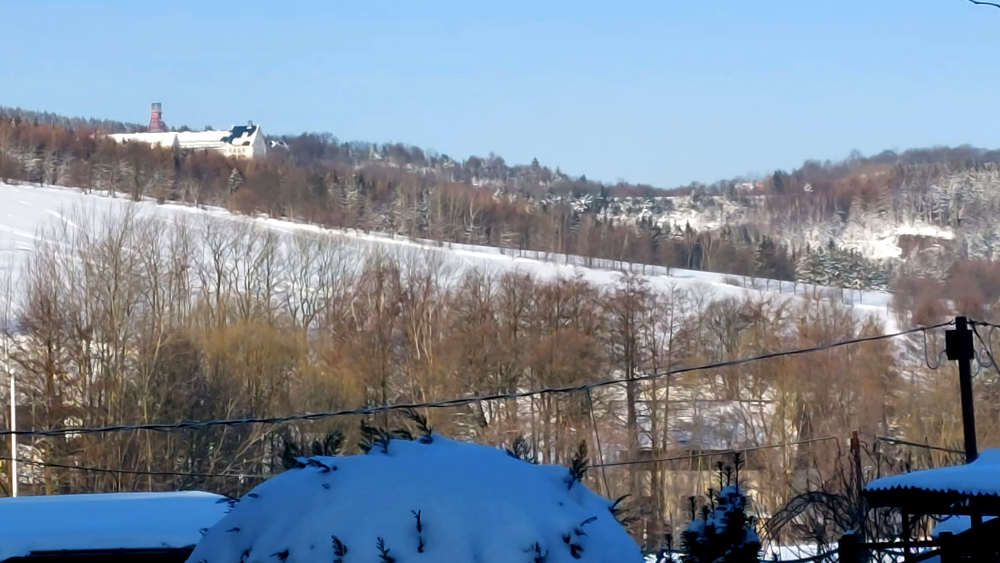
919	221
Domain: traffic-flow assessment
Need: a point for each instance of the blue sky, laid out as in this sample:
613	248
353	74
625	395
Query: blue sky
657	91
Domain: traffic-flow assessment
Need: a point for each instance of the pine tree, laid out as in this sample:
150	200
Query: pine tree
235	181
423	219
394	211
722	532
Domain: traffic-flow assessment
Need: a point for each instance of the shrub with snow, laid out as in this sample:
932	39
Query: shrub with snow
723	532
431	500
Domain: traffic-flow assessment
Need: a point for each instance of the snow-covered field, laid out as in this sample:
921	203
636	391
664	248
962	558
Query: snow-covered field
26	209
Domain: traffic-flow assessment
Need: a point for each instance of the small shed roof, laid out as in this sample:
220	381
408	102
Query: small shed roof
970	488
113	521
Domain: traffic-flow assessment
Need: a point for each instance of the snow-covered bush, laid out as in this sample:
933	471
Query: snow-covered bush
723	532
430	500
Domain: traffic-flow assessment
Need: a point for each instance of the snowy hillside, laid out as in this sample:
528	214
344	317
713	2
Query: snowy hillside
432	500
25	211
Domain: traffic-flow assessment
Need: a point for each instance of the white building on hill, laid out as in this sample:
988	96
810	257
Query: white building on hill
242	141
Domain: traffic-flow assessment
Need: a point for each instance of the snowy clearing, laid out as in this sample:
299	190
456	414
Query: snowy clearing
955	524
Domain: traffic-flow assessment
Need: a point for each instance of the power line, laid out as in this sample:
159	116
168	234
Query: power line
240	476
915	445
718	453
457	402
987	346
813	559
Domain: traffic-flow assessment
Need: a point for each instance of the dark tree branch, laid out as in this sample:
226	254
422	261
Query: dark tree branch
980	3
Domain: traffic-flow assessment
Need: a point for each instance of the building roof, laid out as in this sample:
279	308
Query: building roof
242	135
239	135
155	139
974	486
981	477
90	522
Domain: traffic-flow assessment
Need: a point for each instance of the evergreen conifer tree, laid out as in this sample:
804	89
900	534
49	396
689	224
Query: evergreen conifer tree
722	532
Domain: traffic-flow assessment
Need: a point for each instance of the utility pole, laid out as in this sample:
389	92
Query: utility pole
859	500
859	479
13	437
959	347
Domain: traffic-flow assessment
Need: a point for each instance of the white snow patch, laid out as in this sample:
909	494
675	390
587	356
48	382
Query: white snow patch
880	240
105	521
956	524
925	230
476	503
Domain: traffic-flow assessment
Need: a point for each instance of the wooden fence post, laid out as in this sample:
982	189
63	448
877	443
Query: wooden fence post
948	553
847	549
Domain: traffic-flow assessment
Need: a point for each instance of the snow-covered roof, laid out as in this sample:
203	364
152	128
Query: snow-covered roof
239	135
437	502
88	522
242	135
981	477
155	139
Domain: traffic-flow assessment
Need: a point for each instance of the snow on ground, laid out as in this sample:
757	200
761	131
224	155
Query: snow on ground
981	477
433	500
105	521
25	209
955	524
880	239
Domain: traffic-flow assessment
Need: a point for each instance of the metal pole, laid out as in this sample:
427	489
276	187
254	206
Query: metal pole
597	437
959	348
859	484
13	437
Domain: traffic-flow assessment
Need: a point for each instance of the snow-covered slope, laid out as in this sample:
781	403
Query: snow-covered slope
433	500
25	209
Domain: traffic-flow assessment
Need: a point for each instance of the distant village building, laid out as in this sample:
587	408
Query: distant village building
241	141
746	187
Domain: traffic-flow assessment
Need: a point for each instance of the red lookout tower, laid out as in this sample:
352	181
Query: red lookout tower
156	118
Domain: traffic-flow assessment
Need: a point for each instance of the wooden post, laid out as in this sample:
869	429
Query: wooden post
847	549
907	556
948	553
859	484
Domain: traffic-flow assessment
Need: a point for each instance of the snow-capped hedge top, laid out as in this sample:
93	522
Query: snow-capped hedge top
429	501
981	477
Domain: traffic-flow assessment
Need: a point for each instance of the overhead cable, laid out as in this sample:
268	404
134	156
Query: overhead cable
452	403
240	476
